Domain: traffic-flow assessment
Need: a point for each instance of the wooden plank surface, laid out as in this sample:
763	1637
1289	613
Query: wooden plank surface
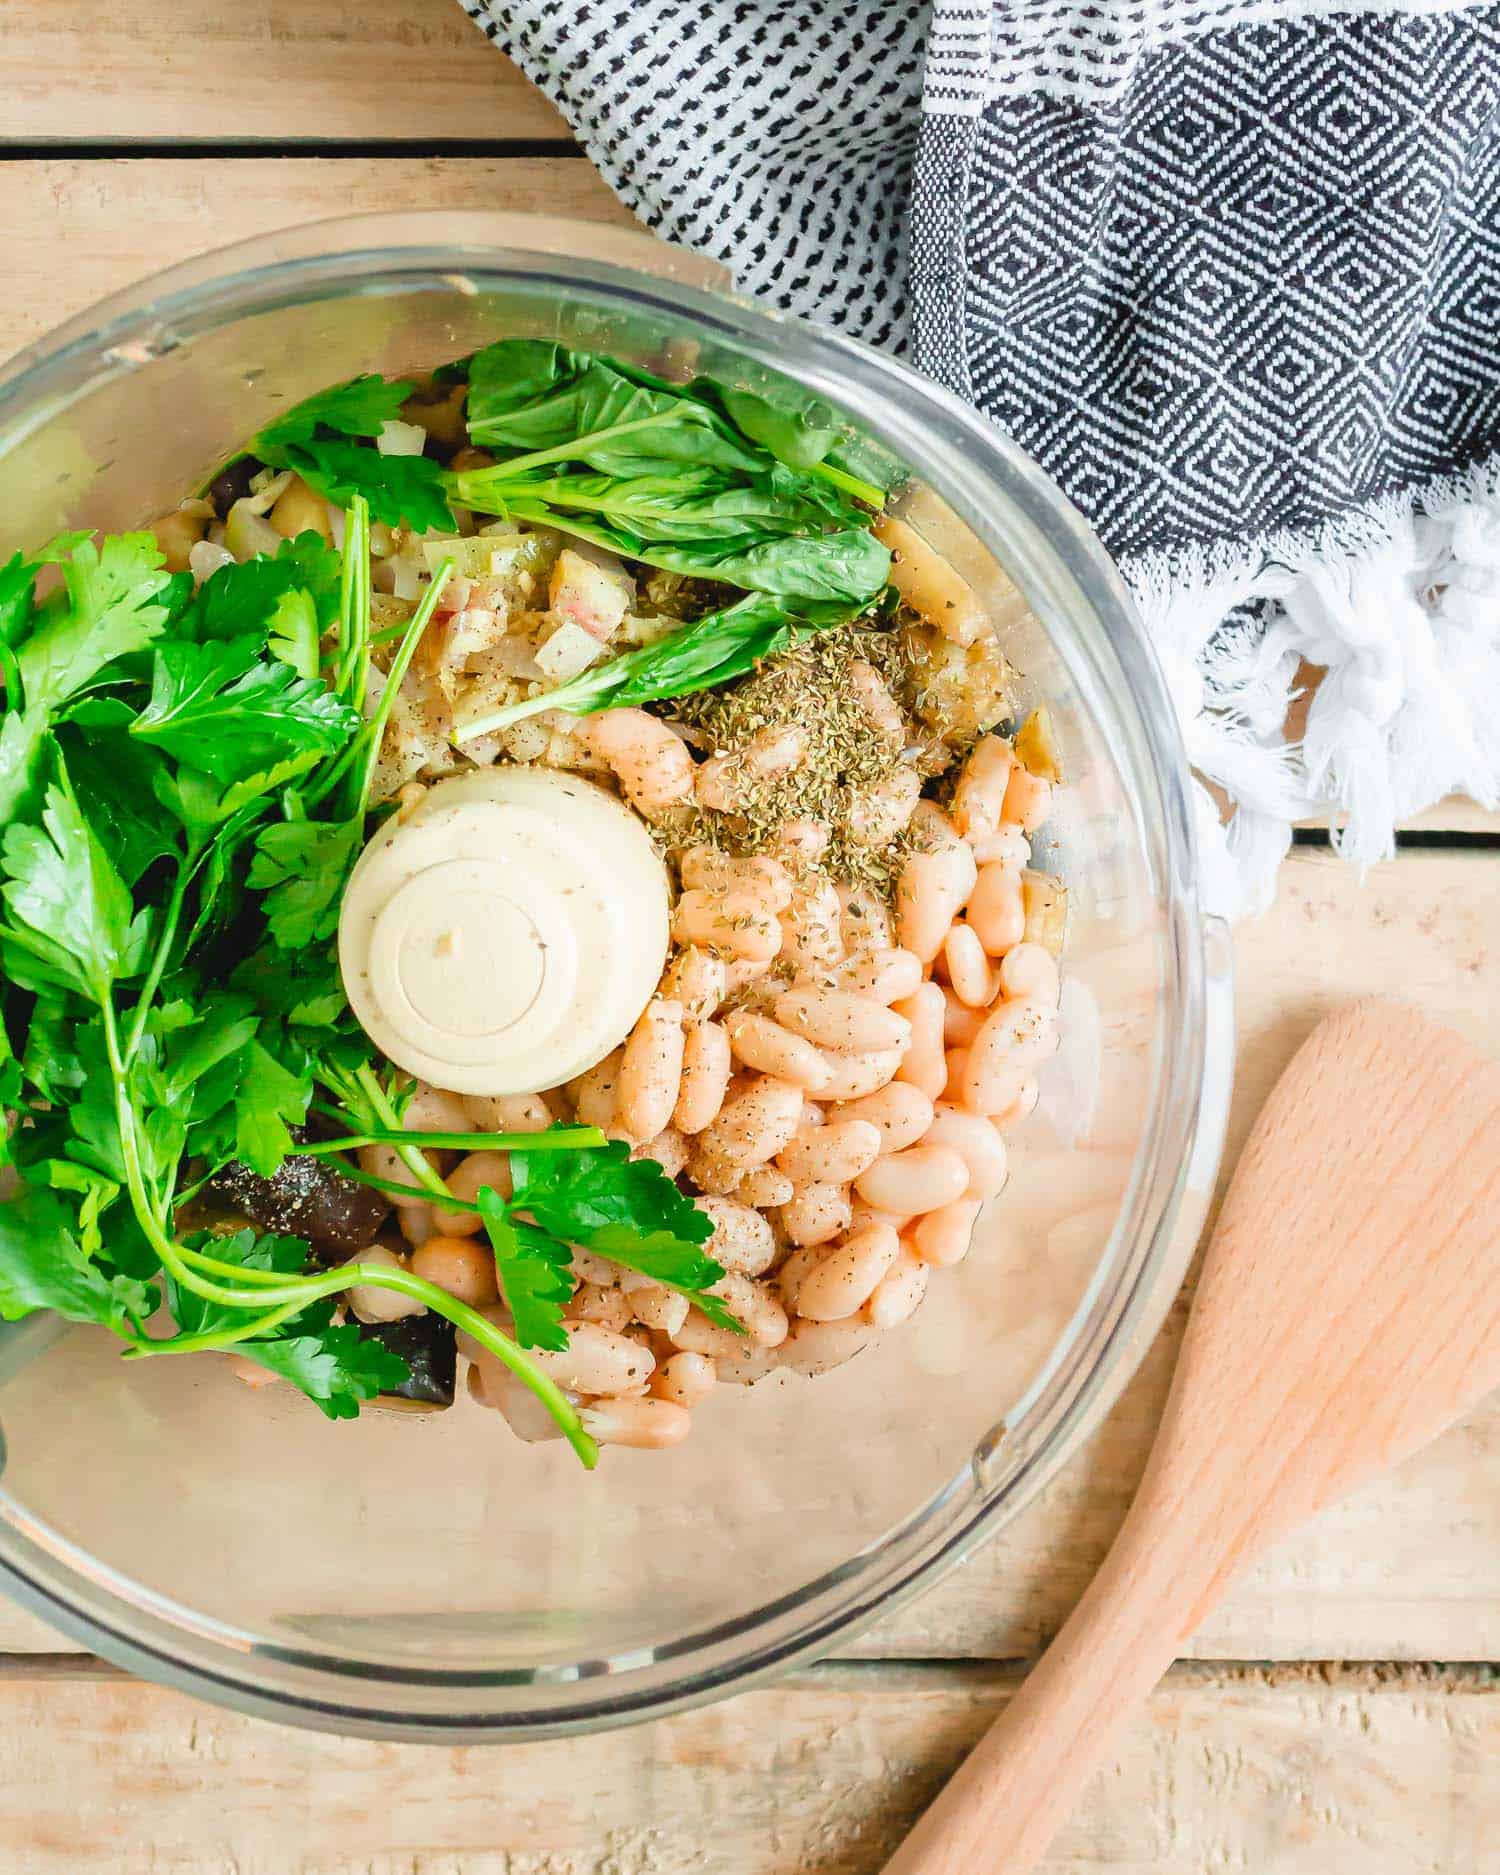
225	71
1281	1772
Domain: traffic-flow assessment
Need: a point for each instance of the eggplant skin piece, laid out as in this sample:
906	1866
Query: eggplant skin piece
306	1198
428	1345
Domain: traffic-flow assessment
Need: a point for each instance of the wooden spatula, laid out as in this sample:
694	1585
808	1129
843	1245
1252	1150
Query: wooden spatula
1349	1310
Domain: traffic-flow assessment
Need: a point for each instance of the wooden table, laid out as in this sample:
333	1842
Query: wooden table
1313	1732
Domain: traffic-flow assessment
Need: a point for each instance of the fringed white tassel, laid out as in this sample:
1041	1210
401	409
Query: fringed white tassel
1400	606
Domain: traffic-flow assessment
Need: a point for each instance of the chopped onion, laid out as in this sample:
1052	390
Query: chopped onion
205	558
401	439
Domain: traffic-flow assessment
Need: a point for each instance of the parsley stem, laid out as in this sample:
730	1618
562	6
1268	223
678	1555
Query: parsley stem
558	1139
374	731
186	868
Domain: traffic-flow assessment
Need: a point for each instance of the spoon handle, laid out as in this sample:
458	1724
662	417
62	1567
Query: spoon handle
1012	1794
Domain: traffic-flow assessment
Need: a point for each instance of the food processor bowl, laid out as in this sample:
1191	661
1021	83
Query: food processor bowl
431	1577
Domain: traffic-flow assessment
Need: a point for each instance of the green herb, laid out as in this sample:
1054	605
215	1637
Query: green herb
320	439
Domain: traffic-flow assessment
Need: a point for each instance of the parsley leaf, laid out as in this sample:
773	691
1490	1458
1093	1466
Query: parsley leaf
270	1098
246	599
535	1274
401	490
362	407
252	1250
42	1267
302	865
235	724
337	1368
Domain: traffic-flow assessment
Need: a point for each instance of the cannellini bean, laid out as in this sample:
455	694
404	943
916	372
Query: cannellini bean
372	1304
754	1306
740	973
814	1348
596	1360
850	1076
507	1113
493	1312
698	1335
789	1278
840	1020
384	1162
597	1090
467	1179
764	1188
1019	1109
885	976
723	781
980	793
763	1044
1028	801
930	893
651	764
711	870
745	1368
960	1023
694	978
875	699
415	1222
684	1379
492	1384
847	1275
742	1239
804	841
177	533
866	1213
879	812
434	1110
669	1149
811	932
957	1064
589	1303
589	1267
650	1071
712	1174
653	1304
1007	847
1015	1038
898	1293
815	1214
997	912
942	1238
464	1268
754	1126
704	1079
811	1117
922	1178
735	924
1028	973
974	1139
923	1064
974	981
650	1425
900	1113
831	1155
864	921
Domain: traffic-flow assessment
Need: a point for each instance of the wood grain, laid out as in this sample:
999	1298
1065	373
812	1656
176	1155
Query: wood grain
79	230
1280	1772
227	71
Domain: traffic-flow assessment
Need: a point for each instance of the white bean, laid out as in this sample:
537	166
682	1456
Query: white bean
898	1293
1019	1109
754	1306
969	971
997	911
840	1020
713	870
1028	973
741	972
1028	801
900	1113
723	781
1007	847
923	1064
742	1239
873	695
712	1174
694	978
734	924
597	1091
467	1179
974	1139
652	765
803	841
508	1113
1016	1037
653	1304
434	1110
942	1237
385	1163
650	1425
866	1213
669	1149
596	1360
864	921
765	1188
765	1045
847	1275
704	1078
492	1384
930	893
885	976
960	1023
815	1214
698	1335
415	1223
812	934
373	1304
754	1126
814	1348
833	1154
794	1271
980	793
922	1178
879	812
684	1379
650	1071
589	1303
851	1076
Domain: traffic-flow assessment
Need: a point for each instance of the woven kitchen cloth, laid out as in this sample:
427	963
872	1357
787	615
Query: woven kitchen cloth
1229	269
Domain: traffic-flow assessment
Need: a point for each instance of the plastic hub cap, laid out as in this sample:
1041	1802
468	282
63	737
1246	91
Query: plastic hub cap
507	934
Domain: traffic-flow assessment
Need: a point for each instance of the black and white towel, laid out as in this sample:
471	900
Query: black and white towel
1229	269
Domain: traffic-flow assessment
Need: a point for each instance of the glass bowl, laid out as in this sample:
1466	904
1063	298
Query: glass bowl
432	1577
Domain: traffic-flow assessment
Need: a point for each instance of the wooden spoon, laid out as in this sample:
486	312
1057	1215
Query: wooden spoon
1349	1310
